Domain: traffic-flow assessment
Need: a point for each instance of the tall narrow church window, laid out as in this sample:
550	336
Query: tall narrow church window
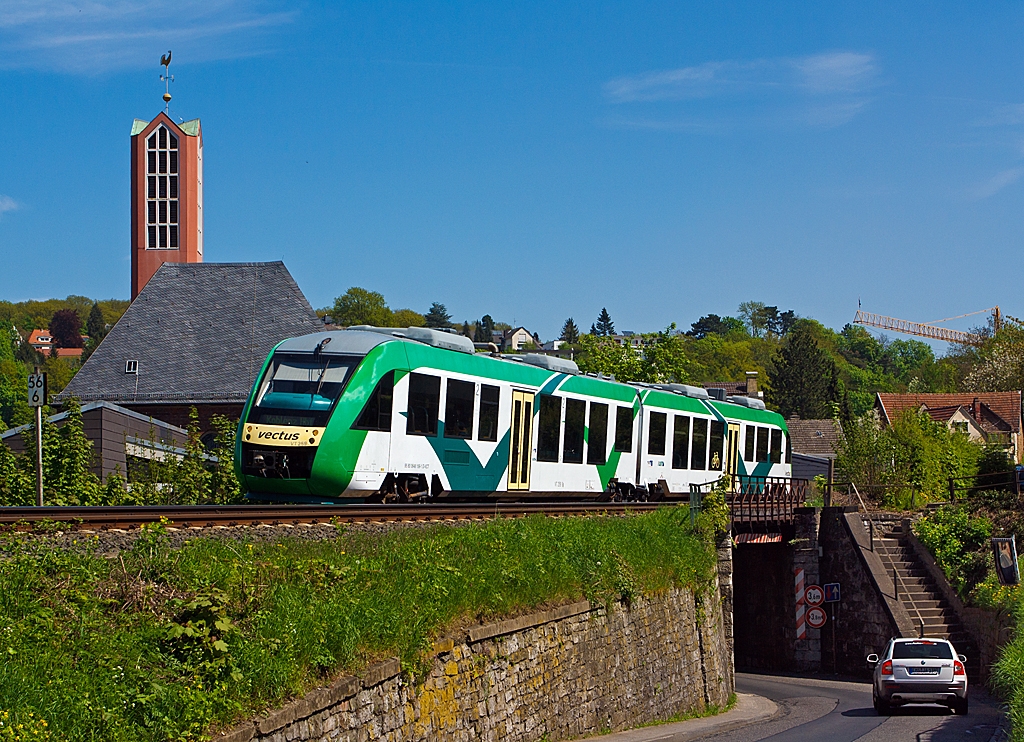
162	191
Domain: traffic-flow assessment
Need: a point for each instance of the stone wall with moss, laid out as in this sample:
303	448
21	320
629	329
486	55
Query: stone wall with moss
565	673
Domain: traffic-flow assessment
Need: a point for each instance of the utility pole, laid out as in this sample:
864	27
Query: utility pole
37	398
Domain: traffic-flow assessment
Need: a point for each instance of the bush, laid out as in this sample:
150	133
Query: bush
914	454
959	543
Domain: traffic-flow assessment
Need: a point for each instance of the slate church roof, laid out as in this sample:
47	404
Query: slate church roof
199	333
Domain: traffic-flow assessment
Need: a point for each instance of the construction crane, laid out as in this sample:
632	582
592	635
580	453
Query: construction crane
929	330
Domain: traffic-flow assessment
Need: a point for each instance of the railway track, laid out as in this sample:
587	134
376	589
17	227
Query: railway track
208	516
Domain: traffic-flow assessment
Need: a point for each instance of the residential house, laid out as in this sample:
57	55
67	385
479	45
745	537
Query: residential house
514	340
815	444
42	341
986	417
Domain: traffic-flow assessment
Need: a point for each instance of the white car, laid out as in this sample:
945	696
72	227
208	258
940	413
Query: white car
919	671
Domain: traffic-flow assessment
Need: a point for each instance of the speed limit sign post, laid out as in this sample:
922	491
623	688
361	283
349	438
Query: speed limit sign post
37	398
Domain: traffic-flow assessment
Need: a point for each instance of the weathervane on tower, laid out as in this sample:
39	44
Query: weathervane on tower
165	60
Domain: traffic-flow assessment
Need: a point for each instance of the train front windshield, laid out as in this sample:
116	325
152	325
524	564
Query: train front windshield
301	390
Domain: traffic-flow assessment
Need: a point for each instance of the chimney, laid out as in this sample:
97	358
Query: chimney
752	384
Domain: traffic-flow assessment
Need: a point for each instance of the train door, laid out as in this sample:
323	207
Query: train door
733	450
521	448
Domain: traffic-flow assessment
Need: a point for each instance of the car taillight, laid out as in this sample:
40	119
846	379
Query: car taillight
958	668
887	667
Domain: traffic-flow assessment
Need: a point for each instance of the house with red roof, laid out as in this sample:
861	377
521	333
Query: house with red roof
986	417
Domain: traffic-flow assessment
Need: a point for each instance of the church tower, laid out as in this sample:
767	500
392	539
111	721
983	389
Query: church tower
167	196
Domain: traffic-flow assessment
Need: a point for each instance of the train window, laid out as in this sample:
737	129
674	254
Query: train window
681	442
789	449
776	446
549	427
458	409
376	415
656	433
717	445
624	429
699	449
762	444
597	434
575	422
424	400
748	446
489	398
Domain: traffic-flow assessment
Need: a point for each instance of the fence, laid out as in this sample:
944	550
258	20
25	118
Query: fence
758	499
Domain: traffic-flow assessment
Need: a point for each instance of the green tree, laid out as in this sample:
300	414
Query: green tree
803	377
192	480
357	306
484	328
467	331
667	358
570	332
71	478
603	355
604	326
96	325
999	365
224	484
438	316
712	324
407	318
754	317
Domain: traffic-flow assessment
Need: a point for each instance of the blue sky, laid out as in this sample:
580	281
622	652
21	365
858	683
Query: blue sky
534	160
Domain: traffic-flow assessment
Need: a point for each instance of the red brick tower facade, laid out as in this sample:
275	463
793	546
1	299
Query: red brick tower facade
167	196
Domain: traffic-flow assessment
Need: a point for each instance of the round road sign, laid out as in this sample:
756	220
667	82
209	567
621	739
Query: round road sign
814	595
816	618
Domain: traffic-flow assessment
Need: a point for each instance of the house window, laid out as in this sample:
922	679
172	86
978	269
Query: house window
162	190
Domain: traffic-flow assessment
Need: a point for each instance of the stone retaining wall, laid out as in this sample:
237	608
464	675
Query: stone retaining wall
565	673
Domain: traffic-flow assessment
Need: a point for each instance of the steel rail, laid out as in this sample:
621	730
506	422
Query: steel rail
125	517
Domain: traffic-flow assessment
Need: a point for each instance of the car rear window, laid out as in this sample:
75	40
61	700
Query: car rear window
923	650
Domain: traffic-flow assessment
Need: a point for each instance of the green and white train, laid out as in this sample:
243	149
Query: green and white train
379	413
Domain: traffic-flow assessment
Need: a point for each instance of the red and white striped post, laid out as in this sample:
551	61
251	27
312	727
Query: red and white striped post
801	606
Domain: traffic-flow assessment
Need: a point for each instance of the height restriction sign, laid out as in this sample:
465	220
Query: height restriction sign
816	618
814	595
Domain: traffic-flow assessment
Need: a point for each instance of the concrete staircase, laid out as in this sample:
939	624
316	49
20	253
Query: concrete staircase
918	593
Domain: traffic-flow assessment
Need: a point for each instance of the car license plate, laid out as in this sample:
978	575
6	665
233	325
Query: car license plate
921	671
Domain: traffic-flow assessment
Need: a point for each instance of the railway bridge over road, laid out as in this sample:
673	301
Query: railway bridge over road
779	547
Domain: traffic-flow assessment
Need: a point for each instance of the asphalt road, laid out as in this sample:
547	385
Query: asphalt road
813	710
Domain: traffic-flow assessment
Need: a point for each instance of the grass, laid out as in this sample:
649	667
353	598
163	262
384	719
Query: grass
163	643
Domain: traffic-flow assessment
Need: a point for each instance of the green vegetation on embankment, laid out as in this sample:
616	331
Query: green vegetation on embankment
161	643
958	536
